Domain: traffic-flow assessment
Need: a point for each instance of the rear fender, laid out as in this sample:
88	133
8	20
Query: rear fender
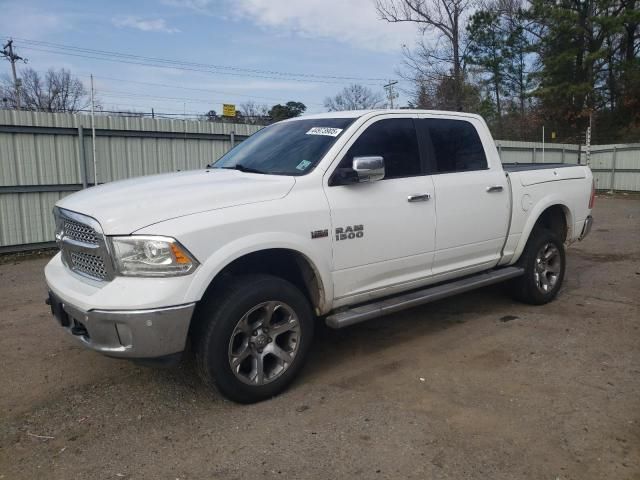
534	217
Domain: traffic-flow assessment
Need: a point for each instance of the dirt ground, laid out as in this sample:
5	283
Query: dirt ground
476	386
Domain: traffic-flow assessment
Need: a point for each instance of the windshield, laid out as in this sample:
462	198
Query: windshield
288	148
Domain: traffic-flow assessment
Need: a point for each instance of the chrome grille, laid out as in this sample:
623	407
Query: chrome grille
91	265
83	245
79	232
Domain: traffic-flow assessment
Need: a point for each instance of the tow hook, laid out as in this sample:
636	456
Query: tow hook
79	330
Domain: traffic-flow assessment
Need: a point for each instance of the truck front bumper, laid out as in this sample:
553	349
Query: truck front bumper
135	334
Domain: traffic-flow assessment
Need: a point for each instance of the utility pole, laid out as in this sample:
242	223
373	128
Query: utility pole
7	52
93	137
391	94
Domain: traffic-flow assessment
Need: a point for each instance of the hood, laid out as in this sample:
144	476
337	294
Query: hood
126	206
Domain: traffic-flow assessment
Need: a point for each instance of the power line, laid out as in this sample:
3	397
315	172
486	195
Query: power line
174	87
176	67
126	94
55	48
180	87
205	65
180	65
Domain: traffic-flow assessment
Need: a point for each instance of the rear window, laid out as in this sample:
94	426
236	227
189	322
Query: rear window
453	145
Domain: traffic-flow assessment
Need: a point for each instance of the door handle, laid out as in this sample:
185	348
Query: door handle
494	188
418	197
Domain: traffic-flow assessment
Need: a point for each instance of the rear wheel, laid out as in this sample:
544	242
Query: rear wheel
253	338
544	262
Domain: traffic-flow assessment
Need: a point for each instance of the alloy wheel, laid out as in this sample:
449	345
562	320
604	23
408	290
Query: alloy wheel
264	343
547	267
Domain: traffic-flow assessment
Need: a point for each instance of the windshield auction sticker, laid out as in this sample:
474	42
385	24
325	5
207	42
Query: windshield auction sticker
326	131
303	165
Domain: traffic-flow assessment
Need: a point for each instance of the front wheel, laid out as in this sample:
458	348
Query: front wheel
254	337
544	262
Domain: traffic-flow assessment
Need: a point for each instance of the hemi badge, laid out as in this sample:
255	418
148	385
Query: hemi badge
320	233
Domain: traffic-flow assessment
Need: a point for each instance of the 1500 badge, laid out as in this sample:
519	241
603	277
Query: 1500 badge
349	232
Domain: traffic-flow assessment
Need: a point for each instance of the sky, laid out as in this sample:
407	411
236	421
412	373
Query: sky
254	47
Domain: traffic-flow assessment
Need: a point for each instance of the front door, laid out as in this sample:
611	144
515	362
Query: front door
383	232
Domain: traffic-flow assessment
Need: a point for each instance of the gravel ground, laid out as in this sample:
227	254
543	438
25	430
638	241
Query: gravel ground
476	386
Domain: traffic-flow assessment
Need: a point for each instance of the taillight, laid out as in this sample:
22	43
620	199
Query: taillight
592	199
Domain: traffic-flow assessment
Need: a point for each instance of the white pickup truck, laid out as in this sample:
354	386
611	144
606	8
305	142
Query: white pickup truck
343	216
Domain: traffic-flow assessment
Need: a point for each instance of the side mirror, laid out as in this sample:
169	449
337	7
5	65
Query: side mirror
369	169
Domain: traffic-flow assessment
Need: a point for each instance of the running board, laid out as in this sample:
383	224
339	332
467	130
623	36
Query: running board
368	311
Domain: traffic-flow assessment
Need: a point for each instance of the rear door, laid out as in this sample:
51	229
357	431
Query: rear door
383	232
471	199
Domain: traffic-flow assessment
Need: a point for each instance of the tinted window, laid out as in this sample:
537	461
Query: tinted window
288	148
454	145
393	139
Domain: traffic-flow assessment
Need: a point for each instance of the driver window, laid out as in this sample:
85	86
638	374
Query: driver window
395	140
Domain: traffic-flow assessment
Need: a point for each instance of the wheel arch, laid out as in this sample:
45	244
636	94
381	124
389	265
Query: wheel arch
285	261
553	215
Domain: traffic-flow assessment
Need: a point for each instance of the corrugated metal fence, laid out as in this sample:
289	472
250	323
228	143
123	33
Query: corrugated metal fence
45	156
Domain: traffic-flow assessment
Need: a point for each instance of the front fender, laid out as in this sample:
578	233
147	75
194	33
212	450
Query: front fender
245	245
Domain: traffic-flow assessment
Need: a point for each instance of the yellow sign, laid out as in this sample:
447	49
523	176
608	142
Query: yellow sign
228	110
553	135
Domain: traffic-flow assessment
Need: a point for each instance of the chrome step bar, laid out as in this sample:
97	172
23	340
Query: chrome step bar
368	311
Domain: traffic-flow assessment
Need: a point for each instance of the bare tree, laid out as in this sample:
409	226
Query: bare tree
56	91
442	53
354	97
253	112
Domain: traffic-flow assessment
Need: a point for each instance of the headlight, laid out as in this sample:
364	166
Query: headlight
142	256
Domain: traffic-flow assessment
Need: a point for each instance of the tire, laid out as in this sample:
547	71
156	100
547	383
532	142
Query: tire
261	323
544	266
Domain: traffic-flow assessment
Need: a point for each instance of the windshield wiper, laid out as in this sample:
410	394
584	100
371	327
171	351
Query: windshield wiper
244	169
